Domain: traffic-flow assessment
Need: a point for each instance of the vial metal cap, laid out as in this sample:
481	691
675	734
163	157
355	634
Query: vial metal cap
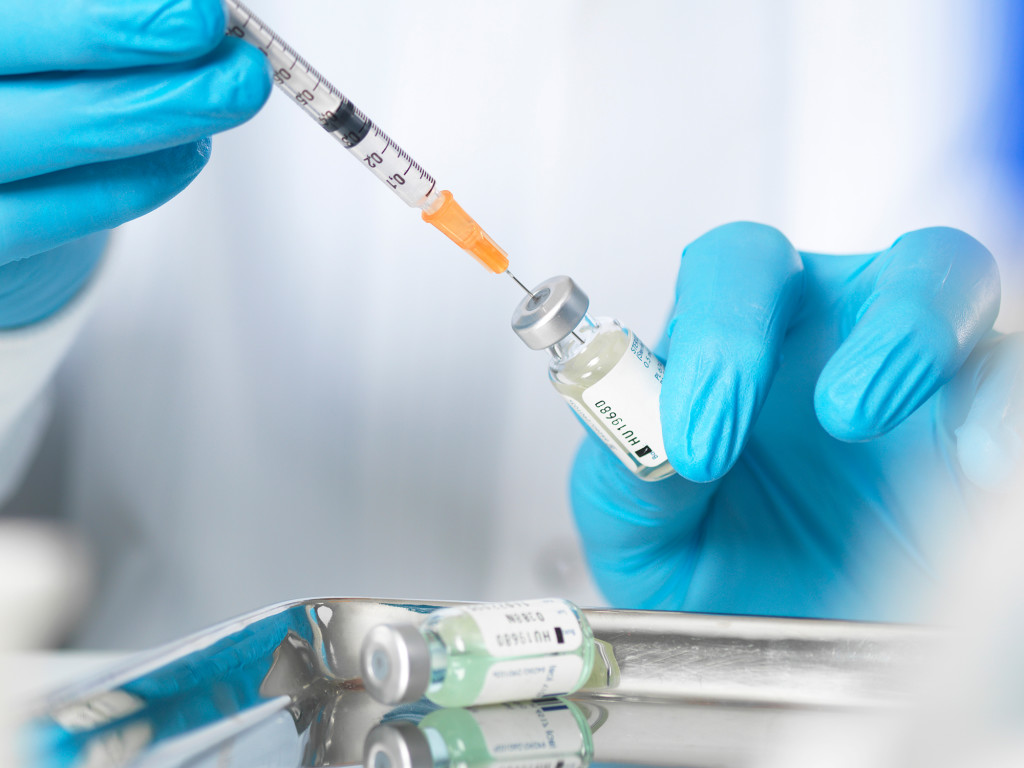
395	662
398	744
552	313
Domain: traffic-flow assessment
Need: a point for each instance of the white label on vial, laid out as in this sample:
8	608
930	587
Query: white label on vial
530	731
597	429
522	679
528	627
625	403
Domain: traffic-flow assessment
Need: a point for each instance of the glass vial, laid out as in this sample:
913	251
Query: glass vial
481	654
537	734
606	374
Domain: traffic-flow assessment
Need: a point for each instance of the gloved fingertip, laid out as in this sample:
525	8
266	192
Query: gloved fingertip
988	457
878	377
699	464
181	28
149	181
749	237
199	22
840	411
184	163
706	415
854	415
243	83
203	149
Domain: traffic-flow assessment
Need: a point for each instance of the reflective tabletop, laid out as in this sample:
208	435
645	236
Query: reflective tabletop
281	687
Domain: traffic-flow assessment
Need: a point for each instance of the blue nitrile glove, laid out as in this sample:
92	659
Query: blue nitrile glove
829	417
103	110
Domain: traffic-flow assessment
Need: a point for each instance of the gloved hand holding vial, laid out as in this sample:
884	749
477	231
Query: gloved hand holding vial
831	418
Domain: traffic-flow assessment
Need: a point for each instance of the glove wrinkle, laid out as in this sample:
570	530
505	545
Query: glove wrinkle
774	362
887	379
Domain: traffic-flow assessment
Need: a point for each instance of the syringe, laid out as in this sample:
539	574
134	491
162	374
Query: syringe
371	146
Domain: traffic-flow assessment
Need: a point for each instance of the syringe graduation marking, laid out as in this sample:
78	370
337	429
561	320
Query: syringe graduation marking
346	117
336	113
366	141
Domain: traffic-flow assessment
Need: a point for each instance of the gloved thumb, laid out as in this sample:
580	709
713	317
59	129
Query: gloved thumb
641	538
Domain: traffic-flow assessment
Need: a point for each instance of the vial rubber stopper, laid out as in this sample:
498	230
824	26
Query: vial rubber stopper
554	310
397	745
395	662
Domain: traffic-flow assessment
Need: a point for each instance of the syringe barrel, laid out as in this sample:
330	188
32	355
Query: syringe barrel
334	112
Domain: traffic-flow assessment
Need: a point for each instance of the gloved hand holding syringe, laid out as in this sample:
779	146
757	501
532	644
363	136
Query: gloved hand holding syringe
375	151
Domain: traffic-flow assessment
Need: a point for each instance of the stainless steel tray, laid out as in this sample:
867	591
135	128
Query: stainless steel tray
281	687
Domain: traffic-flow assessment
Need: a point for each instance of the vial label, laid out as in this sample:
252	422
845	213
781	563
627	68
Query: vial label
531	678
530	731
625	405
598	429
528	627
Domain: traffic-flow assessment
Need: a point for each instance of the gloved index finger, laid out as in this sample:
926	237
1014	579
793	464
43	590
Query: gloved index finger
105	34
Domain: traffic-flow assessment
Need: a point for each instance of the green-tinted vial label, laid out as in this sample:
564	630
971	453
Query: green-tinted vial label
528	734
511	651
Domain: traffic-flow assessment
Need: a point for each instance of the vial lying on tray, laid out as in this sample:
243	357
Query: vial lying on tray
481	654
606	374
538	734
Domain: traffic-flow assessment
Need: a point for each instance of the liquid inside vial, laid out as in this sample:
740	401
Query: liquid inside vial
613	382
487	662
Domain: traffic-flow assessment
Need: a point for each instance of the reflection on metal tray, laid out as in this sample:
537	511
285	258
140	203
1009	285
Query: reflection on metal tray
280	687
